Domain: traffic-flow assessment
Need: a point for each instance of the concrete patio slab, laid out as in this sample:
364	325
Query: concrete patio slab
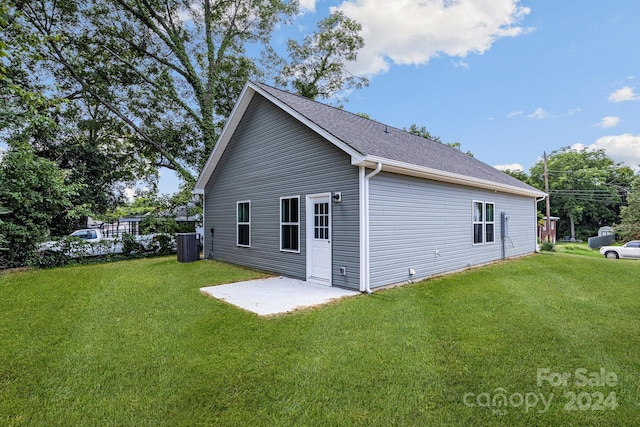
275	295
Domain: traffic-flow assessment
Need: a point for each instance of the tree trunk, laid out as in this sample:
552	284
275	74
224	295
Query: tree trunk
573	229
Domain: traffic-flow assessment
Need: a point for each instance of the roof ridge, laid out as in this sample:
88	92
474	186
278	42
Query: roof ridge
374	139
338	109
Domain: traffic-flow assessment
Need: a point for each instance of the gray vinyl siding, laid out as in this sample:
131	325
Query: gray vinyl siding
411	218
271	155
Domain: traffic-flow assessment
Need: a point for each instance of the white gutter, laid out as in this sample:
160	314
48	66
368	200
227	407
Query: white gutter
364	227
403	168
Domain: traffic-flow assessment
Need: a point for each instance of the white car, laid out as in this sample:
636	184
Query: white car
628	250
92	242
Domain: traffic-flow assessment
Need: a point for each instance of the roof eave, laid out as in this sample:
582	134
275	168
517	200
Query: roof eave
403	168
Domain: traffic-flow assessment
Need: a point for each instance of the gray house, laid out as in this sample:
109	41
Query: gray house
313	192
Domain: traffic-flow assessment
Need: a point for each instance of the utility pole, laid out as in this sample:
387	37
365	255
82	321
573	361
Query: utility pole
546	190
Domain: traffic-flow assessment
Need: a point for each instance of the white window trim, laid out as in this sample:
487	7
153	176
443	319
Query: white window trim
484	228
238	223
483	223
474	222
290	223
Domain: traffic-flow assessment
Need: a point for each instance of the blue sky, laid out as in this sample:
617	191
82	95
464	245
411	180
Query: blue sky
507	79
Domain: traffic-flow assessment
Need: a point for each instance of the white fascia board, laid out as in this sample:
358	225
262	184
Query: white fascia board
227	132
402	168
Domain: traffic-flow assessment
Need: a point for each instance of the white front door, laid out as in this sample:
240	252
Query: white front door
319	239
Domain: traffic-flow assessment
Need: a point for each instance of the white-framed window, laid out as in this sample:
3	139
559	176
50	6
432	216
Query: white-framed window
243	235
478	222
290	224
489	222
483	219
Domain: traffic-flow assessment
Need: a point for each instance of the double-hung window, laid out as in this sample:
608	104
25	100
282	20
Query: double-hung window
244	224
290	224
489	222
478	222
483	217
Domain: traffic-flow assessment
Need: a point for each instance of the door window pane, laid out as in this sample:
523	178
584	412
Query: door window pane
321	221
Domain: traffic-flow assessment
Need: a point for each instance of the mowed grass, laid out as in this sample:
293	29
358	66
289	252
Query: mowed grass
136	343
581	248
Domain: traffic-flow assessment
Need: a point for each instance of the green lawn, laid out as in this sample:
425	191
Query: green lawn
136	344
581	248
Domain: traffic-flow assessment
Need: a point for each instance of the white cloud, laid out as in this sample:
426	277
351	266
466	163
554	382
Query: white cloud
186	13
410	32
624	94
510	166
129	194
539	114
307	5
623	148
608	122
460	63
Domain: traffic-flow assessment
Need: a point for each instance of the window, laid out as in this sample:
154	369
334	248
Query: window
244	224
290	224
478	220
483	222
85	234
321	221
489	222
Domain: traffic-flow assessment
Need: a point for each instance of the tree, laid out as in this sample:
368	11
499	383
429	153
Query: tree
5	17
629	226
76	135
3	241
586	189
318	65
168	70
518	174
424	133
458	146
98	153
34	192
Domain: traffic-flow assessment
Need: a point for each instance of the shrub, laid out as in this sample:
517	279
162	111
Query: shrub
166	243
153	223
129	244
547	245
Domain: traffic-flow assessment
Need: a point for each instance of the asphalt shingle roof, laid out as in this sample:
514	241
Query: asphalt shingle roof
372	138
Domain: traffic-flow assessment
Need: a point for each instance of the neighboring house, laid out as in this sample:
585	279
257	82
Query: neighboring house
306	190
543	233
605	231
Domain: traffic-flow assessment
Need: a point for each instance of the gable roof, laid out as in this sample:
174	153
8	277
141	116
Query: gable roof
369	142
